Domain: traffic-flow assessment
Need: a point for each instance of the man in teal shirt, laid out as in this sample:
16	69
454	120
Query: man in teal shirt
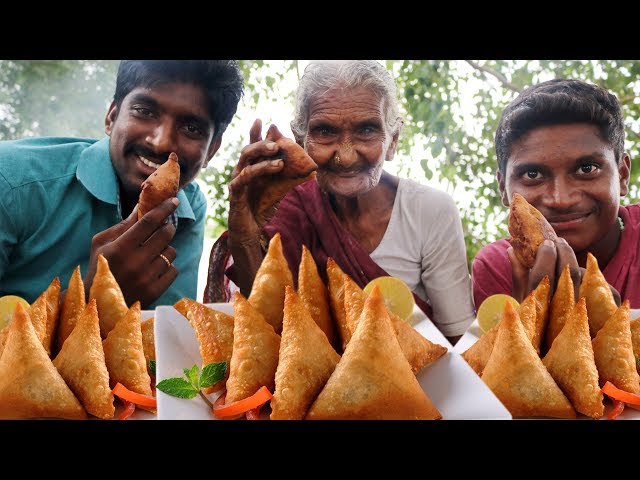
66	200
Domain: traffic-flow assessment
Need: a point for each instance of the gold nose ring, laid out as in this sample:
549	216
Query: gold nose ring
337	159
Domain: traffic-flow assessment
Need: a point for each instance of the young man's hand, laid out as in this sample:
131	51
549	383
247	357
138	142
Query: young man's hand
135	251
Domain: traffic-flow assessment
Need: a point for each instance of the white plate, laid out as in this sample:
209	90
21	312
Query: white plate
452	385
474	332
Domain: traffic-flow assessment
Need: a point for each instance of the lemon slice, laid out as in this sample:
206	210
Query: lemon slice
7	306
491	310
397	295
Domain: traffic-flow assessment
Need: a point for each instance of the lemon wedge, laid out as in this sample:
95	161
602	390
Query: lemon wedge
397	295
491	310
7	306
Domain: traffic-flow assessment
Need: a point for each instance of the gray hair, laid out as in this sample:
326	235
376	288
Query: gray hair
322	76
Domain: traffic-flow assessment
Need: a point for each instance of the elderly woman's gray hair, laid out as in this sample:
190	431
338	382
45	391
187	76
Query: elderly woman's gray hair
320	77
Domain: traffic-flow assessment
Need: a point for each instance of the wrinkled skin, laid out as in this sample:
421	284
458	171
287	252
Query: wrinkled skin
151	123
570	175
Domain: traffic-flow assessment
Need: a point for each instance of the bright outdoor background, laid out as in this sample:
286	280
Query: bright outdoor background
451	110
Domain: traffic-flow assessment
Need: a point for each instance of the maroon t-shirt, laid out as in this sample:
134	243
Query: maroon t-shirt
491	269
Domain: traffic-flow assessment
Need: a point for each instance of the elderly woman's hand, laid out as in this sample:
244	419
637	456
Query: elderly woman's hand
256	161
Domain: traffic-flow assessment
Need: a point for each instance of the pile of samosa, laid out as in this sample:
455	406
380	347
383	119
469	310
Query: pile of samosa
550	358
61	359
326	352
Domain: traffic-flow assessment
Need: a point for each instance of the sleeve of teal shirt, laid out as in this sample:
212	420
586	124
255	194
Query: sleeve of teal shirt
8	236
188	243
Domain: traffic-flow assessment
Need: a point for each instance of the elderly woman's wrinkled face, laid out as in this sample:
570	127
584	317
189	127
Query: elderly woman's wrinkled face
347	137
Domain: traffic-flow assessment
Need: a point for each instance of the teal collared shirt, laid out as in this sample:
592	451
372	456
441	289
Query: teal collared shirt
57	193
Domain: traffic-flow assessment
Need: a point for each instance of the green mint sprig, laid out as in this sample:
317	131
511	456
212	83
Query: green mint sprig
152	367
195	381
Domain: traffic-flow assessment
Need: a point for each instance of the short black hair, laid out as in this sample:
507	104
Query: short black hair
221	80
560	101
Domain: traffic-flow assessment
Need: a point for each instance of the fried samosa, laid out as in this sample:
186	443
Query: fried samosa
148	342
109	298
73	306
255	352
306	361
613	352
528	229
214	332
30	386
541	295
82	364
571	363
273	275
516	375
373	380
635	340
53	314
562	304
595	289
336	279
313	293
477	355
160	185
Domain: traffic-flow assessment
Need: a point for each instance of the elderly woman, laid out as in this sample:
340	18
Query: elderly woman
370	222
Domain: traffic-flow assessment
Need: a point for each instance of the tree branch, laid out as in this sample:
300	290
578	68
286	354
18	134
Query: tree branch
489	71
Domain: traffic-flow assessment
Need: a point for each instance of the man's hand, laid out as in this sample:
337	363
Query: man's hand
133	250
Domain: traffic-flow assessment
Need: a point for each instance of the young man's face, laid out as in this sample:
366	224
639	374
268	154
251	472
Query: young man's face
153	122
570	174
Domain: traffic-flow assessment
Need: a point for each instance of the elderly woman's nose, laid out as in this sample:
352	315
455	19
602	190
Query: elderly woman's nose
347	154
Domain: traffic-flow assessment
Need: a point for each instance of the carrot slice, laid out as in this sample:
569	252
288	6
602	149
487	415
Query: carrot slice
262	396
129	408
618	408
139	399
615	393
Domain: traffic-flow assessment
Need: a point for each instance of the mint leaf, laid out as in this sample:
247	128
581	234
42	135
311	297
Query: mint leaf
193	375
212	374
177	387
152	367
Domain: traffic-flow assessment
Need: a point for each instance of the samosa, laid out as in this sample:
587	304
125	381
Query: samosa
313	293
109	298
148	342
53	314
562	304
478	354
30	386
528	229
214	332
373	380
600	302
635	340
160	185
517	376
82	364
613	352
124	354
571	363
255	352
273	275
306	361
541	294
336	279
73	306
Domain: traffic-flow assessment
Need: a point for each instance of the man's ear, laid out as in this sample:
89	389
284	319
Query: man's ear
213	148
503	191
110	118
625	171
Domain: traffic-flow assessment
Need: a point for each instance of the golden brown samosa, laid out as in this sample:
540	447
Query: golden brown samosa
635	340
527	312
418	350
528	229
148	342
305	362
336	279
541	294
255	352
160	185
109	298
477	355
273	275
313	293
124	354
373	380
38	315
214	332
600	302
73	306
30	386
53	314
517	376
562	304
613	351
571	363
82	365
184	304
